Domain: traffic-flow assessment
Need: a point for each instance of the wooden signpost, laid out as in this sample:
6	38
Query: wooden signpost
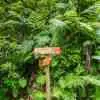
45	61
48	50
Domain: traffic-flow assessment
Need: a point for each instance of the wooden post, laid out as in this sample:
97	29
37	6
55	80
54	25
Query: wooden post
87	51
46	62
48	88
88	60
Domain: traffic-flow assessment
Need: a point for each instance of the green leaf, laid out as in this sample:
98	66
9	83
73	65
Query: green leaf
96	57
92	80
86	26
22	83
2	94
15	92
41	79
38	95
97	93
57	92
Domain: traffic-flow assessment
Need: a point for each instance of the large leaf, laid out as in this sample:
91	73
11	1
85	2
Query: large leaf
97	93
41	79
38	95
22	83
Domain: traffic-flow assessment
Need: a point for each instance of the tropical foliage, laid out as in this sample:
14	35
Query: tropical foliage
70	24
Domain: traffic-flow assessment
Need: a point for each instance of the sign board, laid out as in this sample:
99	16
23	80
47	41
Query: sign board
47	50
45	61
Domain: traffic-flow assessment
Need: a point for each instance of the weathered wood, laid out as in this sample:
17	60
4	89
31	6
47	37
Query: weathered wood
46	62
47	50
48	88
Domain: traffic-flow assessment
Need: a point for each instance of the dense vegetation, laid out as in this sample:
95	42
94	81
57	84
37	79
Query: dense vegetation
71	24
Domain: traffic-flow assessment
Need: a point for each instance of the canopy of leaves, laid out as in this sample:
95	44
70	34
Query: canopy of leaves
26	24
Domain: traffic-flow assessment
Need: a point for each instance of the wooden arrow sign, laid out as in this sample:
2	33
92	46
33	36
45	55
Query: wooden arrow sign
47	50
